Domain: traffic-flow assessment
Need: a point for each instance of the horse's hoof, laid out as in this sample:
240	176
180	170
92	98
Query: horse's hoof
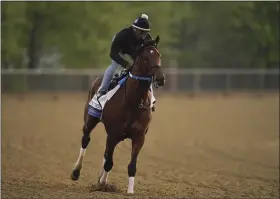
100	187
75	175
102	184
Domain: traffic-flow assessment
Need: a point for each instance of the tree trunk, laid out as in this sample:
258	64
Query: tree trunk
34	42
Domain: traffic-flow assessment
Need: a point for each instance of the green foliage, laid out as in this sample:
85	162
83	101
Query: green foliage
196	34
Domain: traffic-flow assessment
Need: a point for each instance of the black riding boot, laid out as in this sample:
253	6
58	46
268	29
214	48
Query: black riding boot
100	93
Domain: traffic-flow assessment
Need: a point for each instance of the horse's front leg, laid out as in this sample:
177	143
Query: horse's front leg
89	125
108	163
137	143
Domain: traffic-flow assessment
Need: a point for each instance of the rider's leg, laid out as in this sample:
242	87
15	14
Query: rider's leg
107	78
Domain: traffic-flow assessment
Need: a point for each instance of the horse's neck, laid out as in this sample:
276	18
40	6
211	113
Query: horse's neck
135	91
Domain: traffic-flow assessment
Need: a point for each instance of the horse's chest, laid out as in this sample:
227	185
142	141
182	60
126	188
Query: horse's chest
137	121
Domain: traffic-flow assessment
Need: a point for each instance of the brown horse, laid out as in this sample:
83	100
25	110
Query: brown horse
127	114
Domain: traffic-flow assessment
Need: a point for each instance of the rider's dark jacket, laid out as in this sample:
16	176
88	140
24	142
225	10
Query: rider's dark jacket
126	43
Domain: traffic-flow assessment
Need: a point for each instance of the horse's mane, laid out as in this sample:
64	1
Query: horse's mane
150	43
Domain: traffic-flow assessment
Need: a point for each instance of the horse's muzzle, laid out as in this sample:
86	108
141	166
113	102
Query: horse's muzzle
159	78
159	82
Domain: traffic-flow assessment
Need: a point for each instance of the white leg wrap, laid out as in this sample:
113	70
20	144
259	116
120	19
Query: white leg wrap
130	185
104	177
103	174
79	162
102	168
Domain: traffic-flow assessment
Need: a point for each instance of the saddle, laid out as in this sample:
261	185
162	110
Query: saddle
117	77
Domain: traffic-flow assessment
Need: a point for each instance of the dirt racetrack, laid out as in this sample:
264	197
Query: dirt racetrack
196	148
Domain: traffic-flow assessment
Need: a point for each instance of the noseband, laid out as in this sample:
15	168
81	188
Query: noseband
143	78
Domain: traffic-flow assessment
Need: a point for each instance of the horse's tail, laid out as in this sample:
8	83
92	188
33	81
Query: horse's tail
86	105
94	87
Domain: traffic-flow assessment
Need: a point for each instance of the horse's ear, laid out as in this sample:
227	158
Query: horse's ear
157	39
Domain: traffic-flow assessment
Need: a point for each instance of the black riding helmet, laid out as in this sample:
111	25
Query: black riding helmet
142	26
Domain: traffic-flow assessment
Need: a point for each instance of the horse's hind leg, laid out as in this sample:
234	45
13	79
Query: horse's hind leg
137	143
108	163
89	125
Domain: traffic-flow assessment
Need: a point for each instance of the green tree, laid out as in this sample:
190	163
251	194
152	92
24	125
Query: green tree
197	34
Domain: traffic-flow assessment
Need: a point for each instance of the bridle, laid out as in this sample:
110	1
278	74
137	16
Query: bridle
149	77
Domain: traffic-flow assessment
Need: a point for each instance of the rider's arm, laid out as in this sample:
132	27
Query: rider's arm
116	49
